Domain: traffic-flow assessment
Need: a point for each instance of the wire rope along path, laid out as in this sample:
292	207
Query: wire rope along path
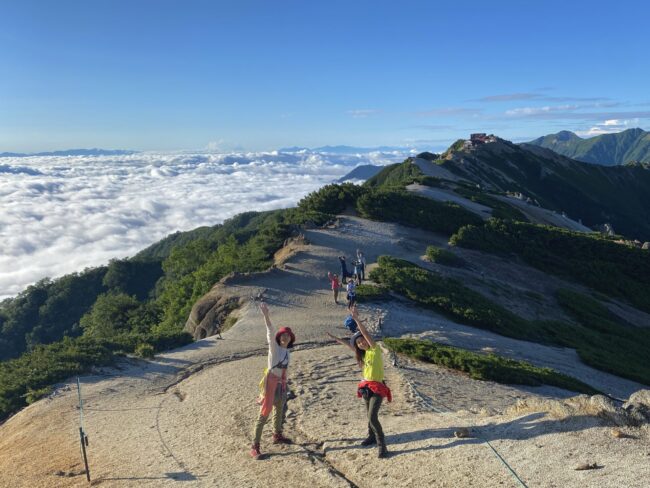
444	410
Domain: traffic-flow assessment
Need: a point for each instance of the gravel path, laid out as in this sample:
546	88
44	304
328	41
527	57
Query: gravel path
483	211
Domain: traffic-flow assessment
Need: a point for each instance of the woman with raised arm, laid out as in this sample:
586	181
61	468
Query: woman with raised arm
334	281
372	389
275	383
362	263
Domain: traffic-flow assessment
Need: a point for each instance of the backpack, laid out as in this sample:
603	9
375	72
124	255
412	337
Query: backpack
350	324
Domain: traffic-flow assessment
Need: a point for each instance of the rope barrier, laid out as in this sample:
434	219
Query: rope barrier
429	403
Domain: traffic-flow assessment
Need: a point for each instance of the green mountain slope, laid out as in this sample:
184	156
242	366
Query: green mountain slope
606	149
594	194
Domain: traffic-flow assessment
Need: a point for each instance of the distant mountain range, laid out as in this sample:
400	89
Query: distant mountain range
71	152
606	149
594	194
367	171
363	172
343	149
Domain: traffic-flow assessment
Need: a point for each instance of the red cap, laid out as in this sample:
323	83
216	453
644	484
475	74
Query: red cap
285	330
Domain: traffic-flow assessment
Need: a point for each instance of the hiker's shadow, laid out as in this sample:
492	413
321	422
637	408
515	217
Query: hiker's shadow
397	439
522	428
409	437
530	426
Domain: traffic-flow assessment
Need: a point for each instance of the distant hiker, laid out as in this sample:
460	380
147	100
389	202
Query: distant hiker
372	389
362	265
334	280
344	270
357	272
274	383
352	294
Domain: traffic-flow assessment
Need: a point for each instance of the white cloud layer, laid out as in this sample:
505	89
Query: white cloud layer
523	111
363	113
610	126
62	214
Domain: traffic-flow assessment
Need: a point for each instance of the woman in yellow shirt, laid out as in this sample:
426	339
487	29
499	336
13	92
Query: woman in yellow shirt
372	389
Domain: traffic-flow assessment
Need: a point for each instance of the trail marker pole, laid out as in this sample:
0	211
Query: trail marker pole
83	438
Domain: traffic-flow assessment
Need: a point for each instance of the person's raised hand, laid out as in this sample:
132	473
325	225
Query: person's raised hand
355	312
264	308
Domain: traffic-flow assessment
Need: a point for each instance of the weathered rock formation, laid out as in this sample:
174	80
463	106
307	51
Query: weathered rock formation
637	407
209	314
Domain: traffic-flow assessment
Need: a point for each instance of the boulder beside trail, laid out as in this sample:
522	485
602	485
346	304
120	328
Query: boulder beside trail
638	407
209	314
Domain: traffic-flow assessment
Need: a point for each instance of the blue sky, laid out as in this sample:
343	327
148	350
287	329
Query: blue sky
256	75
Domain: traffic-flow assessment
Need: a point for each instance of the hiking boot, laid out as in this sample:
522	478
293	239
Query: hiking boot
255	451
280	439
382	452
369	441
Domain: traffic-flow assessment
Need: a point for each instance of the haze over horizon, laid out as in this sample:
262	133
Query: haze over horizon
255	76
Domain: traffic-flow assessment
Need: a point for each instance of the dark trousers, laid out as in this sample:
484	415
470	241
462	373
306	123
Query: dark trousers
373	402
279	413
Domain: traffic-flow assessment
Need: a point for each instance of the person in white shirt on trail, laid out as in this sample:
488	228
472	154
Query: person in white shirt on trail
361	259
352	294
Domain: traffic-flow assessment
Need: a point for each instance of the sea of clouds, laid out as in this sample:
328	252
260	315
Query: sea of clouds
61	214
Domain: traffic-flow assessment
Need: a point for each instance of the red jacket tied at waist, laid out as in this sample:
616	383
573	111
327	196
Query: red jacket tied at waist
377	388
271	382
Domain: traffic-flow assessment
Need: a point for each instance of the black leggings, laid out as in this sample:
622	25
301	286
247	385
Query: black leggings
373	402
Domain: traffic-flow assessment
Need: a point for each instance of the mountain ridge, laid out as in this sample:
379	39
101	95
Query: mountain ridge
361	172
606	149
595	194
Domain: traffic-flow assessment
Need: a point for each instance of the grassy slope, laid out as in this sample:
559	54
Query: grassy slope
486	367
615	269
612	348
398	174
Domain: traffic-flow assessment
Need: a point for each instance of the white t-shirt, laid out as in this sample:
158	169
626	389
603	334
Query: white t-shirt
350	288
277	355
